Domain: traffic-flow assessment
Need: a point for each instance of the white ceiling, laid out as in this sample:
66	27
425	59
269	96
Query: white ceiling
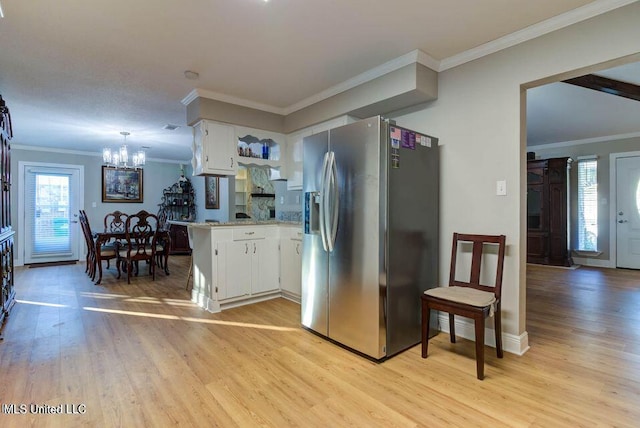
75	73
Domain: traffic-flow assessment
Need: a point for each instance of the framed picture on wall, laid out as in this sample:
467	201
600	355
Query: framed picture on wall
121	184
212	193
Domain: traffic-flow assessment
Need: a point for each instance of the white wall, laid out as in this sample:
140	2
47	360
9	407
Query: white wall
478	119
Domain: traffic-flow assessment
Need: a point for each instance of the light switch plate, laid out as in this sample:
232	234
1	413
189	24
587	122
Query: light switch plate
501	187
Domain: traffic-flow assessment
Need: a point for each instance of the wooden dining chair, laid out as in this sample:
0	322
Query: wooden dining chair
141	244
96	251
91	248
115	222
469	298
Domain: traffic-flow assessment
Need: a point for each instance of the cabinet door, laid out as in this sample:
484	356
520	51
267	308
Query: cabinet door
238	270
219	149
265	265
291	266
294	159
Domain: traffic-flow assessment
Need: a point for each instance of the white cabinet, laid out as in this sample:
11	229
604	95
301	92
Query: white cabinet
214	149
294	159
251	262
294	148
291	262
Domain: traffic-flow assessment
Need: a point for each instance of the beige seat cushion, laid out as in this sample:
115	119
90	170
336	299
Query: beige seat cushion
465	295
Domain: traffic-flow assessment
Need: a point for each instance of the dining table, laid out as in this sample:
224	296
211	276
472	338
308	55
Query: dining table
118	239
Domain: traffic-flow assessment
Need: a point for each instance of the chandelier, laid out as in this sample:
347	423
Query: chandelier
120	158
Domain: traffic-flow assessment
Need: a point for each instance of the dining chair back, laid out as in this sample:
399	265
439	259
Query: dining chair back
115	222
141	235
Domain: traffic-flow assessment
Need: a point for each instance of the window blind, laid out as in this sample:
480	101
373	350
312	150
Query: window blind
588	204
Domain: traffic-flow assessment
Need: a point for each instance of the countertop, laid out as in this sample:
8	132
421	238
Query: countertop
208	225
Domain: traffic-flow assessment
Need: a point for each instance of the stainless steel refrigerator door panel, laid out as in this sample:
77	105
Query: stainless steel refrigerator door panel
412	262
355	316
315	262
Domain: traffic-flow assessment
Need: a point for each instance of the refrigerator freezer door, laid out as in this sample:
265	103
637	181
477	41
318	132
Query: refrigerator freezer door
315	260
355	308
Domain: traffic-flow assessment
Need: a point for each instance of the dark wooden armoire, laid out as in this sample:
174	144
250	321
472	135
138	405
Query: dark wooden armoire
7	294
548	212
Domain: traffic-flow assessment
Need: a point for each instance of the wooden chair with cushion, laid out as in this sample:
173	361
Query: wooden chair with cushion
469	299
141	244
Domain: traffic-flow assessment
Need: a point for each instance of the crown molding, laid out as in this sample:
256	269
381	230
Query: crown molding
204	93
84	153
533	31
585	12
415	56
560	144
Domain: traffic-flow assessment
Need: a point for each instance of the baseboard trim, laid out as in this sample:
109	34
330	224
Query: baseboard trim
206	303
586	261
464	328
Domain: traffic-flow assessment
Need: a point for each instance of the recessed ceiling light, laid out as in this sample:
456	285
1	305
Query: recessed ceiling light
191	75
1	12
171	127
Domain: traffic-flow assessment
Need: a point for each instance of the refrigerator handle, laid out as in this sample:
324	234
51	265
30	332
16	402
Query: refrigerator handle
325	220
323	199
335	195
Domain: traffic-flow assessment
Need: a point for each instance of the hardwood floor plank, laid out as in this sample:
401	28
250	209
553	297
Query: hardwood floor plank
144	355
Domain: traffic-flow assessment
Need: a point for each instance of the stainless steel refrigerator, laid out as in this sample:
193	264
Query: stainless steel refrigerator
370	244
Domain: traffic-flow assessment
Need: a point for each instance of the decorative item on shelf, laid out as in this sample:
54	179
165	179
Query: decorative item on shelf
120	158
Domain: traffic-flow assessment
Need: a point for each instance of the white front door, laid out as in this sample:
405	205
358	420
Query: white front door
51	203
628	212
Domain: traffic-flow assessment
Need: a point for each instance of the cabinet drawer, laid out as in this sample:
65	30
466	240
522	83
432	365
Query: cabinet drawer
248	233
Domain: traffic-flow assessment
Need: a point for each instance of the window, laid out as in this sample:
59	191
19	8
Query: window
588	204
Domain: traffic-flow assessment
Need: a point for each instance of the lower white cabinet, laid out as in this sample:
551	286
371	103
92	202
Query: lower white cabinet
291	262
249	263
236	265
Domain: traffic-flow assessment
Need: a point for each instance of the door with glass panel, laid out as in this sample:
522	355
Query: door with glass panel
51	227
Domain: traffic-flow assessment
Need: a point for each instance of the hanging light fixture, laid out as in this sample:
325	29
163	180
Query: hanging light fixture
120	158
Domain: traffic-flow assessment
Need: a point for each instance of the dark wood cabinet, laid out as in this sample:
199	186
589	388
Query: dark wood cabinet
179	239
7	292
547	212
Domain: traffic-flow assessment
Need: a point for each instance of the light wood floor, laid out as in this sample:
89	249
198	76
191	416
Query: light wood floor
144	355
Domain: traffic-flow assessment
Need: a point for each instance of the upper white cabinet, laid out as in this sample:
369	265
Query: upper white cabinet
294	148
214	149
294	158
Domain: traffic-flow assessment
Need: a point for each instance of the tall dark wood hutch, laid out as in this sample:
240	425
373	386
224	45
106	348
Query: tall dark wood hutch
548	212
7	295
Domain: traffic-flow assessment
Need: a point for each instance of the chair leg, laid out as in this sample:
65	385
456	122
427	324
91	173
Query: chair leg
498	329
190	274
479	324
426	316
452	328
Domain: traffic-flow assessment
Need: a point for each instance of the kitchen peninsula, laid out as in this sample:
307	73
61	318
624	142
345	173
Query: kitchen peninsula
242	262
